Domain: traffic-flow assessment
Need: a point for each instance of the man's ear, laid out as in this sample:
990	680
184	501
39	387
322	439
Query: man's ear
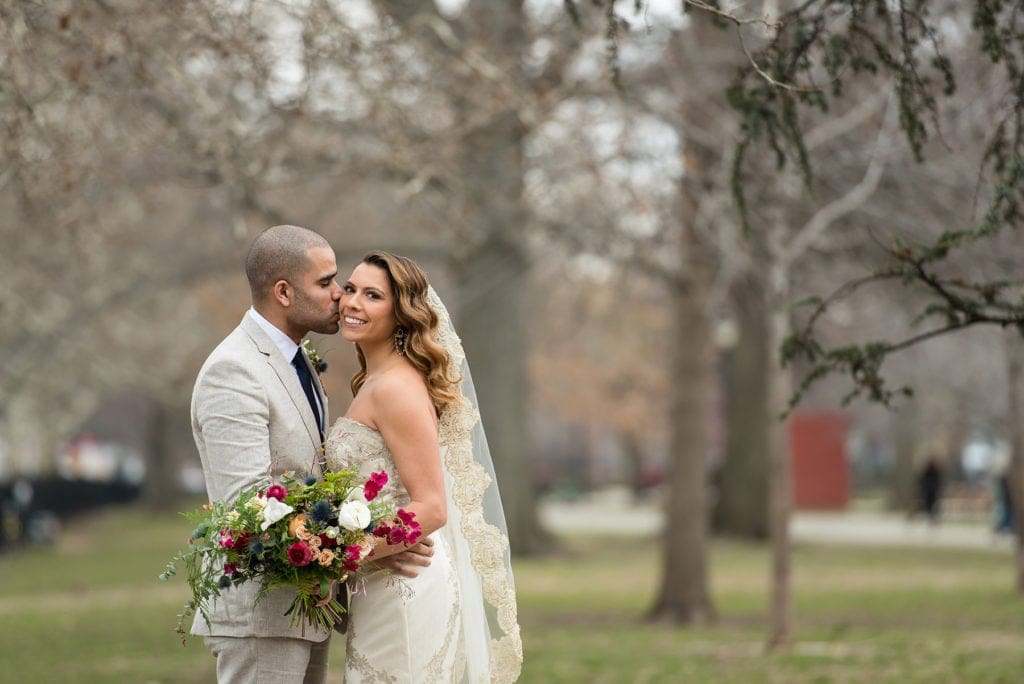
282	293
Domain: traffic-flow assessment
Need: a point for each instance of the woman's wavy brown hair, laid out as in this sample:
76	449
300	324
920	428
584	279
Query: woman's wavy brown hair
415	315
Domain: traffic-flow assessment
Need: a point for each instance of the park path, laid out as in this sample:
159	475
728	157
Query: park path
854	527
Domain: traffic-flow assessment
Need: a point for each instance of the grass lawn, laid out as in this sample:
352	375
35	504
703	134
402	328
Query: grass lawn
92	610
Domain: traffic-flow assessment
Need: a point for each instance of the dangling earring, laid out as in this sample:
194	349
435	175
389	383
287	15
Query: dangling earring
400	340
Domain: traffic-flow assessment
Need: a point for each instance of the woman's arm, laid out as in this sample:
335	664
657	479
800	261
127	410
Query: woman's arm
405	416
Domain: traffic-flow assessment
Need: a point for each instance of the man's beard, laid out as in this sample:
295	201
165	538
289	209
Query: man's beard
308	318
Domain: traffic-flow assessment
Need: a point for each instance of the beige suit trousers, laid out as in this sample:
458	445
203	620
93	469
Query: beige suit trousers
269	660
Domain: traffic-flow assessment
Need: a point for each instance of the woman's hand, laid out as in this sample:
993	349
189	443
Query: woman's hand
408	563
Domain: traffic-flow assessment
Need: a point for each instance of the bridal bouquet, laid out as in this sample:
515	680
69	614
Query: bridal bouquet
305	535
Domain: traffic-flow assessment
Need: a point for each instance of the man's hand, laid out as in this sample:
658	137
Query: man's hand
408	562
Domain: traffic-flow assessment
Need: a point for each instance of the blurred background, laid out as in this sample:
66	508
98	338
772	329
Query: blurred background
576	212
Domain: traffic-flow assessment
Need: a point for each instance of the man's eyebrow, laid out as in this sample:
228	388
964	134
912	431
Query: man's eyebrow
331	276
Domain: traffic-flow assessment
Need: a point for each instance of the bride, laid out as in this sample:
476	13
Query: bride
414	414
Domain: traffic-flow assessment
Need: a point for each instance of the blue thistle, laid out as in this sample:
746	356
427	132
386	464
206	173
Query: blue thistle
256	548
224	582
321	512
310	480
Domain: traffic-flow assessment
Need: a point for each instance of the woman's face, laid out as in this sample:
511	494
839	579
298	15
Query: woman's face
367	306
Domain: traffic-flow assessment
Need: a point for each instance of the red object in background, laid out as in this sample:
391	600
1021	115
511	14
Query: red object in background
817	447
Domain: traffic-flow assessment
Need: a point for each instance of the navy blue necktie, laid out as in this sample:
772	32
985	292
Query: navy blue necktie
306	380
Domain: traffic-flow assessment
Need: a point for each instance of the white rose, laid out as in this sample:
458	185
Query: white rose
354	515
274	511
332	532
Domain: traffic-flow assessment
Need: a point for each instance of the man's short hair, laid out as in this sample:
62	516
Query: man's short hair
279	253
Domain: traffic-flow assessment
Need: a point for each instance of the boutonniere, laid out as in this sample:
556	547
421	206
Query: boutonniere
319	365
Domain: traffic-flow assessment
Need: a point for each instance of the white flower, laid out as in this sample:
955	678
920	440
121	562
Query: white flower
354	515
274	511
332	532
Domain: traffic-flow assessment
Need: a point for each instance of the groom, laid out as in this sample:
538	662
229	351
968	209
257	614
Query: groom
258	409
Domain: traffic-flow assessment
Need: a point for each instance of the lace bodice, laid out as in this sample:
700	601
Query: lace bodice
353	444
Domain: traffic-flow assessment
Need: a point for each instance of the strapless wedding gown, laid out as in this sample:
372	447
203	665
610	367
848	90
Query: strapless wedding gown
400	629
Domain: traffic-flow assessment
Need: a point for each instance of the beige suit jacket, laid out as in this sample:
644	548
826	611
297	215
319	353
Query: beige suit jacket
251	422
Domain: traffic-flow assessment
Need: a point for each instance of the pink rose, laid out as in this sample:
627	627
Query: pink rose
300	554
277	491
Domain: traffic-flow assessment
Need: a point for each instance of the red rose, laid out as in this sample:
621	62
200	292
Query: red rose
300	554
327	542
277	491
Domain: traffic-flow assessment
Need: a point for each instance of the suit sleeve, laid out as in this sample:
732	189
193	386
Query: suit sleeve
233	416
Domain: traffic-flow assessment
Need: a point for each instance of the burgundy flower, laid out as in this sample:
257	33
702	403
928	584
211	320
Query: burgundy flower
373	486
352	551
413	529
300	554
397	535
327	542
230	568
277	491
408	517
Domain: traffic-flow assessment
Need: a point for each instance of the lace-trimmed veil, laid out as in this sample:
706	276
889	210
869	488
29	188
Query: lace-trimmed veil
476	528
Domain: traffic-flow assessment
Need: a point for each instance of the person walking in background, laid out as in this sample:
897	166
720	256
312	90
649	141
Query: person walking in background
930	488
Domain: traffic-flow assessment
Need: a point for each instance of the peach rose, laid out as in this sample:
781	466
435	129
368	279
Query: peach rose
325	557
297	526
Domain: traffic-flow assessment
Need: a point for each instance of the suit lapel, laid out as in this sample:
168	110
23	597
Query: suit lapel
286	374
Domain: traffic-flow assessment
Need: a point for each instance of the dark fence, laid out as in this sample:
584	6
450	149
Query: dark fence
31	510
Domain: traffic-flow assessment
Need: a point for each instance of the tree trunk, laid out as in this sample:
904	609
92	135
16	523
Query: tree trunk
779	470
632	447
1015	472
490	321
684	597
741	507
167	424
